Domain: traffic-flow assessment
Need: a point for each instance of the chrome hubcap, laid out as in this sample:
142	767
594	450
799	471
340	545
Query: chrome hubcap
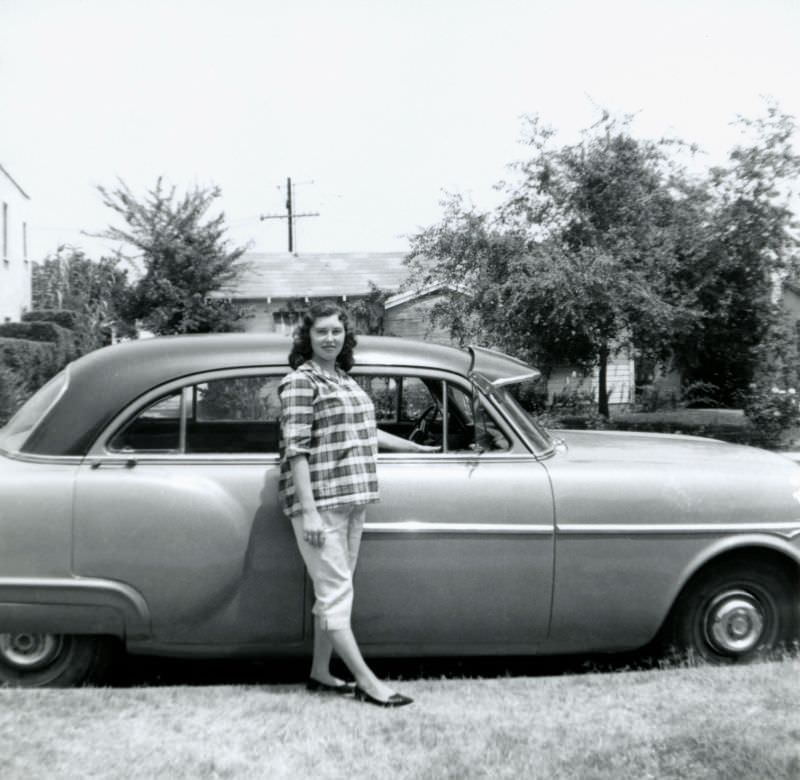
29	651
734	622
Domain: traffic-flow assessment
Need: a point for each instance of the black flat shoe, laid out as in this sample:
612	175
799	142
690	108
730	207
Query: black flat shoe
395	700
315	686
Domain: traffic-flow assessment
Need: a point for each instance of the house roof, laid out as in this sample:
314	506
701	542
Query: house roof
409	295
284	275
11	179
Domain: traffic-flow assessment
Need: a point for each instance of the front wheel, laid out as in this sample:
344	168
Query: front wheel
734	614
53	660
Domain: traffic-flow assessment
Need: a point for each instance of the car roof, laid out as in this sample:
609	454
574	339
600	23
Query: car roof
103	382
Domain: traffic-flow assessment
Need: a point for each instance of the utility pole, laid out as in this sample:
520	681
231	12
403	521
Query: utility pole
290	216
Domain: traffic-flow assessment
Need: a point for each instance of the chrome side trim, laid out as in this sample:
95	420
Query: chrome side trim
421	527
788	530
197	459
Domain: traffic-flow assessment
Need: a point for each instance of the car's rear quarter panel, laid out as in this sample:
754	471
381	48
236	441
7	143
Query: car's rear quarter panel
35	518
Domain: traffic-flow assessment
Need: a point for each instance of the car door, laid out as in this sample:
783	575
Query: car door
458	554
179	500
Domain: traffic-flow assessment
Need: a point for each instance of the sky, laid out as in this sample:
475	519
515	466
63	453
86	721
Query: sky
375	109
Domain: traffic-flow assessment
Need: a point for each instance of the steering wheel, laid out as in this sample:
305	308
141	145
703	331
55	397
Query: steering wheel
420	430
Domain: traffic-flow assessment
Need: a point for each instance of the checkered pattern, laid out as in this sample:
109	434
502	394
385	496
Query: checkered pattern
330	419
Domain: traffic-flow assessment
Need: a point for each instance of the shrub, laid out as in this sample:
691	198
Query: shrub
774	412
12	393
771	401
701	395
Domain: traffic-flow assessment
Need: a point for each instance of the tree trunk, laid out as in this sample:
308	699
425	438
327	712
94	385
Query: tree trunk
602	382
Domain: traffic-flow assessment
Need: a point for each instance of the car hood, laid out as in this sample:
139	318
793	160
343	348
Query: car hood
660	448
664	479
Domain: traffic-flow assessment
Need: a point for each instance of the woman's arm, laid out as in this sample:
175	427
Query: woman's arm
392	443
313	531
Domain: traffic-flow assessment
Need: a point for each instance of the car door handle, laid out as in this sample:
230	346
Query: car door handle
123	463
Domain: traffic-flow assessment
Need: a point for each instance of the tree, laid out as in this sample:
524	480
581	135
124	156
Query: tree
580	258
368	313
185	255
754	245
97	291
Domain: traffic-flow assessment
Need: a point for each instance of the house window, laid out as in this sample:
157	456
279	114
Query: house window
5	232
284	322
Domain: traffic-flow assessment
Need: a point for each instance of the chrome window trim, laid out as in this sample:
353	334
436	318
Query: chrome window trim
30	457
186	400
420	527
787	529
457	456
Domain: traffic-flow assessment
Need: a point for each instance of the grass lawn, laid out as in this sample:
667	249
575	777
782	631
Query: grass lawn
697	722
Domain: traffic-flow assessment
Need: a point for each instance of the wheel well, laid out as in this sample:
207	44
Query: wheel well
744	555
741	556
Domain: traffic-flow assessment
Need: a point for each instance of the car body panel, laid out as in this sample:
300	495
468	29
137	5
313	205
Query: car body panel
431	570
637	514
36	517
202	540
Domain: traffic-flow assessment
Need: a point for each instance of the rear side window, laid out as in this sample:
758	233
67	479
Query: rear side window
224	416
19	427
155	429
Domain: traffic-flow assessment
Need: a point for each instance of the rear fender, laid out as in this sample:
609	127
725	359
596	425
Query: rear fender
72	606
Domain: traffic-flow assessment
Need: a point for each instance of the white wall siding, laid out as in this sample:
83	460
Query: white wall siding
15	265
620	381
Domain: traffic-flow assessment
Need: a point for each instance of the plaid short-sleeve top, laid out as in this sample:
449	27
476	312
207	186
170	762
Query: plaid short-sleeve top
329	418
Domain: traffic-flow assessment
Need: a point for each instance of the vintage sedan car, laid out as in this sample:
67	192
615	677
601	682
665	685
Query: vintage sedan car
138	508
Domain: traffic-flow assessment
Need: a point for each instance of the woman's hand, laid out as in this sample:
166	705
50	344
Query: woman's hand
425	448
313	530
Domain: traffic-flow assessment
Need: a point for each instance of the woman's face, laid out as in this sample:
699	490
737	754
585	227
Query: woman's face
327	338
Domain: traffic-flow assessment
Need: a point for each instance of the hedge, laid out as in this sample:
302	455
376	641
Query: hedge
64	341
66	318
736	434
12	393
33	362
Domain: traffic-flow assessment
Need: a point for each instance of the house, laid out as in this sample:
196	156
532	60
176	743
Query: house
275	285
15	266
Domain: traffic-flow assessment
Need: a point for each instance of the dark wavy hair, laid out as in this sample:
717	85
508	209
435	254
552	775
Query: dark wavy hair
301	349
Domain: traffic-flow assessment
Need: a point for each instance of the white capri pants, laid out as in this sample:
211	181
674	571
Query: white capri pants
331	566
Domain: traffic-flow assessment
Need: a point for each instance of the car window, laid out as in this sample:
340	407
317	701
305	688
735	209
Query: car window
224	416
235	415
155	429
412	407
18	428
484	433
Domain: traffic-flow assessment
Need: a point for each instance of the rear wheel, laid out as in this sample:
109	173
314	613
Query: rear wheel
53	660
736	613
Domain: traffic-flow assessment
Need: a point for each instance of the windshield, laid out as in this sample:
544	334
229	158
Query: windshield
16	431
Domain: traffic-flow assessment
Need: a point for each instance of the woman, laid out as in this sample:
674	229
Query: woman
329	444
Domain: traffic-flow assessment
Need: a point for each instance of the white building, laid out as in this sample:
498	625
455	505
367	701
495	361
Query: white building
15	266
